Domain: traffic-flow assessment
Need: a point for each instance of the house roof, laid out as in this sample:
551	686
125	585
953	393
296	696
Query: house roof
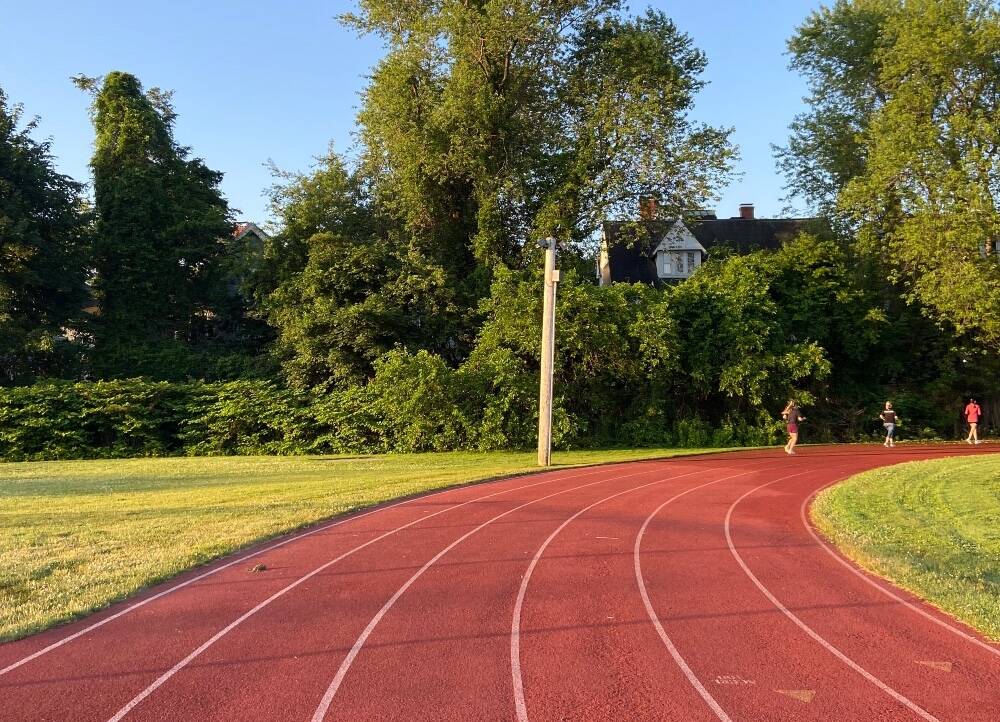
747	235
631	245
242	228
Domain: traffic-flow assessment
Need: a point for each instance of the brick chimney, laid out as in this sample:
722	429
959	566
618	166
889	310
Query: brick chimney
746	211
647	208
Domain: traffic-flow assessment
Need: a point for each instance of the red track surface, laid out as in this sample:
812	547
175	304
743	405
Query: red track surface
689	589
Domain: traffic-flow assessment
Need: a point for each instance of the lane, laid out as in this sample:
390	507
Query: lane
520	704
821	640
321	710
753	661
451	632
668	642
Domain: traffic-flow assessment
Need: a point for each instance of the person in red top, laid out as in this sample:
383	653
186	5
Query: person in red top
972	414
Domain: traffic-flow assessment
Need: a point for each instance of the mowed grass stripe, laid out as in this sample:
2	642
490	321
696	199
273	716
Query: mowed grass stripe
76	536
932	527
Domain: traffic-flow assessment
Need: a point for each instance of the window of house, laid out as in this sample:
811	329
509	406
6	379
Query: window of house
690	260
669	268
678	263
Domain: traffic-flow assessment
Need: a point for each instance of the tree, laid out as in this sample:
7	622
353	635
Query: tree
490	123
42	234
835	49
618	355
739	352
160	225
340	285
902	144
930	190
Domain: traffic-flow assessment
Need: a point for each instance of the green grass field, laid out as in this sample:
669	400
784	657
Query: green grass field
932	527
75	536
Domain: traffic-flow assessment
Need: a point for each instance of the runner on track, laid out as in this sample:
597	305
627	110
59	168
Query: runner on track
889	421
792	418
972	415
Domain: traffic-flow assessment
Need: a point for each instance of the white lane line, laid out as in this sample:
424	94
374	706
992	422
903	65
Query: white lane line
912	706
520	706
338	679
159	682
215	570
888	592
651	612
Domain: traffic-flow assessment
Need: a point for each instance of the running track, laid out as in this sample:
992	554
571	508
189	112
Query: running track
690	589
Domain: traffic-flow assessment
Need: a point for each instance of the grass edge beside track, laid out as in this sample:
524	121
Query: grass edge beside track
884	521
220	549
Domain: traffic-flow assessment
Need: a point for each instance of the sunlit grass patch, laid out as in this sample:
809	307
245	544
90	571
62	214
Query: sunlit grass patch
932	527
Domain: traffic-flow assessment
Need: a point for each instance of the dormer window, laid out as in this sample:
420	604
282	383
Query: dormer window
678	254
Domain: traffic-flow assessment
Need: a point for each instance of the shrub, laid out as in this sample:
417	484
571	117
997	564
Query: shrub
502	396
418	402
63	420
248	417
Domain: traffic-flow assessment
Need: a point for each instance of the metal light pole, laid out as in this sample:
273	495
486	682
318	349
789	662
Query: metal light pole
548	351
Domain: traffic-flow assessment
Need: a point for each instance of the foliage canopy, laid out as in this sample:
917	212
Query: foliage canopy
42	251
902	142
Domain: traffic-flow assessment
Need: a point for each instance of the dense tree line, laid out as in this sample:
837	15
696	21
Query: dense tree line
396	305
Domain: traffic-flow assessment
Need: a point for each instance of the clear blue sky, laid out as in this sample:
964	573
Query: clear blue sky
258	80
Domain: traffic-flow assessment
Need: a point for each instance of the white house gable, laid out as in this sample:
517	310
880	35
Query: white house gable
678	253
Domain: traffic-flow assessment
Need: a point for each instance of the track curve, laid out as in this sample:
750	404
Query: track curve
685	589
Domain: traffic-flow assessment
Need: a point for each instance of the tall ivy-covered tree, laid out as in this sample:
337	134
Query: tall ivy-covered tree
160	224
41	250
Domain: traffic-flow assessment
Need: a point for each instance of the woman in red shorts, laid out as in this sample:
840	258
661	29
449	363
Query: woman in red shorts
792	418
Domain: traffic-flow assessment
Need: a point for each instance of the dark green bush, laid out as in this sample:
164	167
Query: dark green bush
248	417
135	417
709	362
63	420
178	362
420	401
